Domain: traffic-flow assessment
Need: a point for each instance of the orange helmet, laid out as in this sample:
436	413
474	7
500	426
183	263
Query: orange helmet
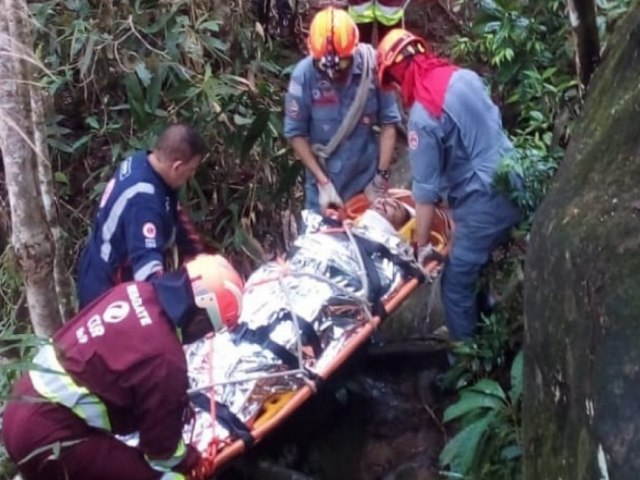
217	288
396	46
333	37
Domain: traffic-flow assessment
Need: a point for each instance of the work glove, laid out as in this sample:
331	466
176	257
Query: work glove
377	188
328	196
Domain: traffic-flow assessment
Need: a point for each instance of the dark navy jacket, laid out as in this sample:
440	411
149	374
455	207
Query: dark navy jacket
136	226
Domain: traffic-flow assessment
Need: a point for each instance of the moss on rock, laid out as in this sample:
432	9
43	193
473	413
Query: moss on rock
582	353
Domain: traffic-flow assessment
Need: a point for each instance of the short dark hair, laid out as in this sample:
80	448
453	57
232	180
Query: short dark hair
182	141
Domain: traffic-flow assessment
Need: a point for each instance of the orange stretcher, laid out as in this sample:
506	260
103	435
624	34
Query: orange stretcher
279	407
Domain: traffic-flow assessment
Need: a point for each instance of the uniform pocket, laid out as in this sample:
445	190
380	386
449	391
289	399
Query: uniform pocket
325	120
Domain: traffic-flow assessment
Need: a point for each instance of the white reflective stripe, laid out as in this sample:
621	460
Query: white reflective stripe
147	269
54	384
388	15
109	227
167	464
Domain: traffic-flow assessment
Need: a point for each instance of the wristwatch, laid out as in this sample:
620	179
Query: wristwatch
383	173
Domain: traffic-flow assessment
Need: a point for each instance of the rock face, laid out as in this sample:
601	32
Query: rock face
582	298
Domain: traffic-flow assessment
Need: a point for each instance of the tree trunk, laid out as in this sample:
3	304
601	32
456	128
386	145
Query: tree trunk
582	361
582	14
62	279
32	238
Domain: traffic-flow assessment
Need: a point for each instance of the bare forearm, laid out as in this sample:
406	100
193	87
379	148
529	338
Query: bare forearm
387	145
424	216
302	149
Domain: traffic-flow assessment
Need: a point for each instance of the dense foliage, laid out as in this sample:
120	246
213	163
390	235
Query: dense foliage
525	49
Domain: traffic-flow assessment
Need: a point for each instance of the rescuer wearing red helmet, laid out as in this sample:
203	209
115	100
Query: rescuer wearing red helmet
456	145
116	368
331	106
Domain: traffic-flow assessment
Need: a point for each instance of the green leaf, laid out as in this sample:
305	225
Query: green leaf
61	177
135	97
489	387
154	90
516	377
88	56
460	451
211	25
254	132
143	73
240	120
471	401
92	121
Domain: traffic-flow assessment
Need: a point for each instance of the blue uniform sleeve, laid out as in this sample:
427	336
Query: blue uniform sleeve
146	238
297	104
426	154
388	111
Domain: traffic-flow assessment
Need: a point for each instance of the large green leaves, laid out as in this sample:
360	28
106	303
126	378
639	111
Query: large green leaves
460	453
488	429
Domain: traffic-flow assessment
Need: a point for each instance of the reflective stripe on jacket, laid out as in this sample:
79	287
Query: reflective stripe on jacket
165	465
53	383
387	12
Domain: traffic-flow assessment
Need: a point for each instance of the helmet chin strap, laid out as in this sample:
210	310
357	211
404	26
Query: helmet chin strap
213	313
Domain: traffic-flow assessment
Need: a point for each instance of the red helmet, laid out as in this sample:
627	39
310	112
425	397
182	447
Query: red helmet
396	46
333	38
217	288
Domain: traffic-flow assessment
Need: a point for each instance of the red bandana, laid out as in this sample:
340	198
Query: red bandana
425	79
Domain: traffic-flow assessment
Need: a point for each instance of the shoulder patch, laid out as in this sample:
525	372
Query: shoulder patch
412	139
149	230
125	168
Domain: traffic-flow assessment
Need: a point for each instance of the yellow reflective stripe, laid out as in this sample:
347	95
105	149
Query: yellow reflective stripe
54	384
388	15
363	13
167	464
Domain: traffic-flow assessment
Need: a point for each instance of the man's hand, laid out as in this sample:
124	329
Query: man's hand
328	196
377	188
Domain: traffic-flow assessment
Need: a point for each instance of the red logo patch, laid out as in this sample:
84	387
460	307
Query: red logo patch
413	140
149	230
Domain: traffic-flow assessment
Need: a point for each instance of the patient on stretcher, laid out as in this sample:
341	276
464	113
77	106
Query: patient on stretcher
297	314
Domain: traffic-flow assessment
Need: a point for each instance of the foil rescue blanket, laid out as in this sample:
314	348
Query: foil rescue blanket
296	316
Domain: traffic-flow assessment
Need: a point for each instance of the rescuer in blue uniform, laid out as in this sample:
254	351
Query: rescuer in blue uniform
456	145
139	221
322	89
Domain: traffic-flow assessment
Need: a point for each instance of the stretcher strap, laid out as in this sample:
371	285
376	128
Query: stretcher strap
375	285
225	417
261	336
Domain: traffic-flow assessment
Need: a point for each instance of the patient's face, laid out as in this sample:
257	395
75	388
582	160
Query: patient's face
392	210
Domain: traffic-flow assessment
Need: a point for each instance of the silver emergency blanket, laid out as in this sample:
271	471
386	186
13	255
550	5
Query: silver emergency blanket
323	284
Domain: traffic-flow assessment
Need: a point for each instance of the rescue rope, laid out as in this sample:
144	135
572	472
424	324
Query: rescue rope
323	152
